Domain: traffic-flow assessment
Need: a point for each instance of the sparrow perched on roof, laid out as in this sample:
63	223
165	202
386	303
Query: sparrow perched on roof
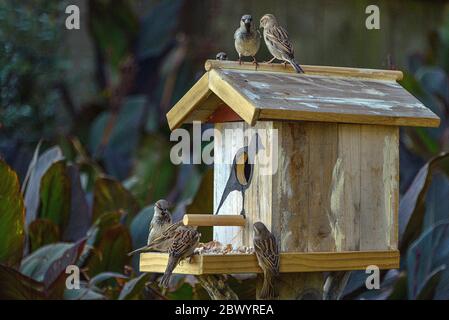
221	56
162	242
247	39
185	240
276	39
267	253
161	219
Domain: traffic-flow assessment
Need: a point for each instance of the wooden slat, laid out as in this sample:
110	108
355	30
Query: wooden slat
379	187
189	102
392	75
290	262
291	204
345	198
323	143
205	220
227	141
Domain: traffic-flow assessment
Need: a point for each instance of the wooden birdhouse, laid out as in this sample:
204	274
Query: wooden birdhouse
322	172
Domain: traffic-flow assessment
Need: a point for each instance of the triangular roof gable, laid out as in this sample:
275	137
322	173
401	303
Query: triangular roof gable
325	94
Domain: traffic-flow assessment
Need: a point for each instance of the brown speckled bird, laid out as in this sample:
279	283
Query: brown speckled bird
277	41
185	240
161	243
161	219
267	253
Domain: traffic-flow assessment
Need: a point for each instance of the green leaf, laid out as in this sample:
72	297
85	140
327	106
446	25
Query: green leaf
113	26
49	262
42	232
99	278
428	289
111	253
85	292
425	258
411	206
36	172
154	174
157	27
132	289
80	214
184	292
55	195
111	196
16	286
399	291
12	217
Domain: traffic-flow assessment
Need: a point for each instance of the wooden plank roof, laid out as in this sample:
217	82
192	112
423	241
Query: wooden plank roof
325	94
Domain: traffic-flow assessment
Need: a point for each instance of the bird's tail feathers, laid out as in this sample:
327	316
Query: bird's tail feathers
268	288
295	65
137	251
165	280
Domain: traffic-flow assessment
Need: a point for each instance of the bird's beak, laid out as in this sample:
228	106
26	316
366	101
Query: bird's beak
248	24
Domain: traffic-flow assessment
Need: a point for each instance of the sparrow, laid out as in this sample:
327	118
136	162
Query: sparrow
276	39
185	240
221	56
161	220
247	39
267	253
161	243
236	181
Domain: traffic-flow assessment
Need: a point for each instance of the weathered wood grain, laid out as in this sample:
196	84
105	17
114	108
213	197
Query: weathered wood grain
230	93
289	262
329	99
342	96
345	196
392	75
228	140
379	187
323	144
189	102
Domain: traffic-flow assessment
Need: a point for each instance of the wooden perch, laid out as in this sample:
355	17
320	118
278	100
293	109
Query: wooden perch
203	220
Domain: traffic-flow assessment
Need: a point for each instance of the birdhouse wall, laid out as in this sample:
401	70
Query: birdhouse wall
258	196
335	187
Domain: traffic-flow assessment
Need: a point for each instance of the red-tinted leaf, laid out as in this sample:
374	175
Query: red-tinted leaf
14	285
48	263
111	196
42	232
111	253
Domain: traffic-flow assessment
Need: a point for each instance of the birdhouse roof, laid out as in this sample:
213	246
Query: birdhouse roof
324	94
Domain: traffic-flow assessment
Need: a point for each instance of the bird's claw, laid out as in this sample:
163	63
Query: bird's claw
255	62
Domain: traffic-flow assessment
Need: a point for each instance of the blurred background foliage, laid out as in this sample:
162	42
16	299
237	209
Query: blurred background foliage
84	144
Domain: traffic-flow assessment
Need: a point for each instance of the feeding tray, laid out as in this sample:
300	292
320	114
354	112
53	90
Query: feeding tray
289	262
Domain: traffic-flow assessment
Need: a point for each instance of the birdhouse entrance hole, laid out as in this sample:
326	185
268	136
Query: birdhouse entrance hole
243	169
